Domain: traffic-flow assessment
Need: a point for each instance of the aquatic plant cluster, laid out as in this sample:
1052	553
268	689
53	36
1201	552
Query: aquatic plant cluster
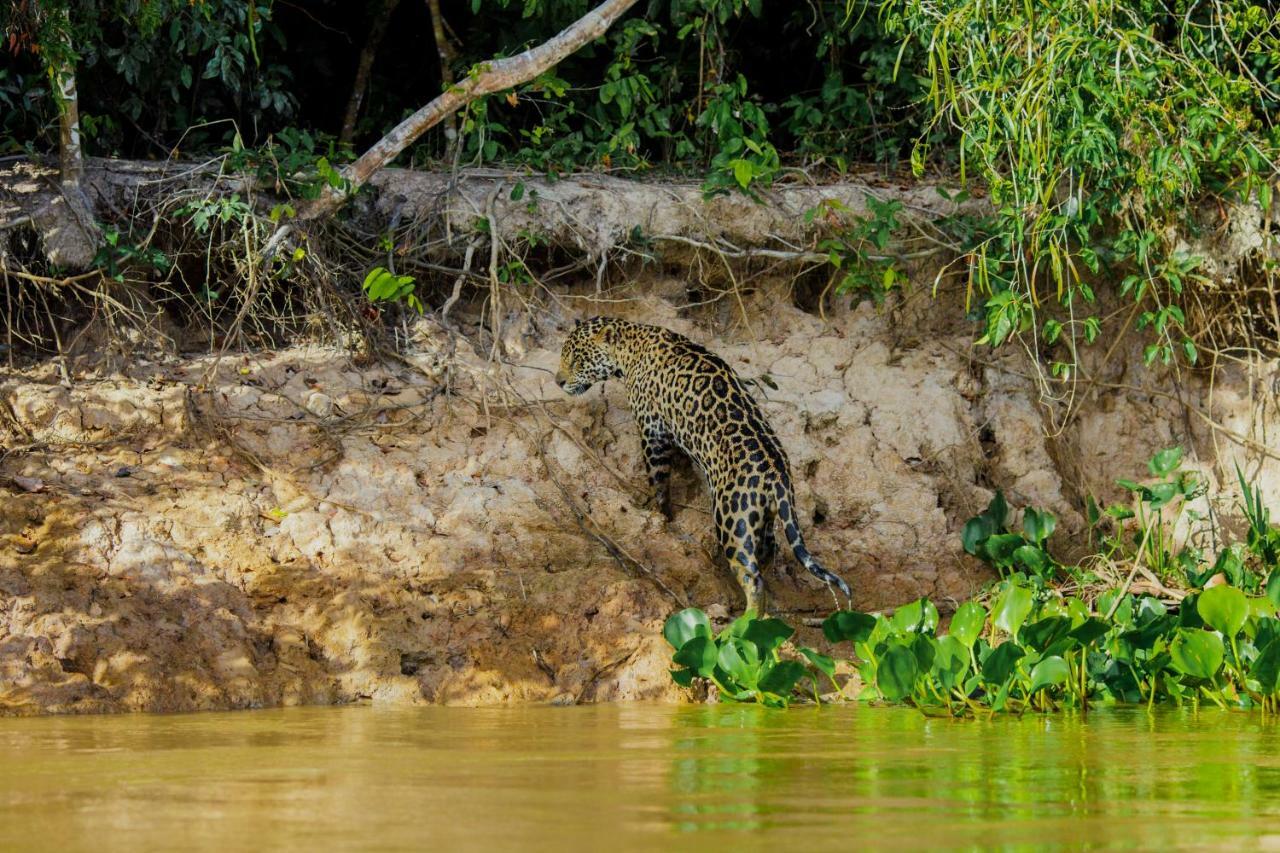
1027	643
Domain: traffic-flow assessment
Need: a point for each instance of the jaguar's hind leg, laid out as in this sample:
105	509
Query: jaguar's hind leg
741	544
768	544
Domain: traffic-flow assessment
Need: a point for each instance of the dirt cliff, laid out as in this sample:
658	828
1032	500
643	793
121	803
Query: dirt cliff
295	527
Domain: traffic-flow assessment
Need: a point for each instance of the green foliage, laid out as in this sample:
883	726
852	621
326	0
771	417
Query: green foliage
1032	646
1036	649
744	660
1096	128
1263	538
160	66
119	253
382	285
989	537
858	248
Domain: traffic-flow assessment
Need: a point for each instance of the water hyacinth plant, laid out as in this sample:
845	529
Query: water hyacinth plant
1032	649
1026	644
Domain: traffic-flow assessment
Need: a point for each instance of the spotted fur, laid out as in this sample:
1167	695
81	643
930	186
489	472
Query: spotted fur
686	397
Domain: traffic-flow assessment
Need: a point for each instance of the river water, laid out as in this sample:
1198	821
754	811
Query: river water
638	777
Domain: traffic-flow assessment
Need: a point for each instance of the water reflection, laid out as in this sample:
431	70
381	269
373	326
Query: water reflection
635	777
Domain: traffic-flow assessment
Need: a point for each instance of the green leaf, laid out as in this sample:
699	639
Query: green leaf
950	660
1049	672
1038	525
682	627
699	655
768	634
683	677
967	623
1224	608
976	531
1011	608
741	660
1089	630
1165	462
999	665
1273	587
896	673
848	625
821	661
1196	653
1266	667
919	615
782	677
1045	632
1031	558
999	548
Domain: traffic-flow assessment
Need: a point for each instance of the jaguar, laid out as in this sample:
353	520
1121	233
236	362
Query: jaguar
685	397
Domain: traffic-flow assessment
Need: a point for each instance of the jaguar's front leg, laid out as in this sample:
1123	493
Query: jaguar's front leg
659	451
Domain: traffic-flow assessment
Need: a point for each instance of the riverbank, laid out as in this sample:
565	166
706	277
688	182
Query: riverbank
445	526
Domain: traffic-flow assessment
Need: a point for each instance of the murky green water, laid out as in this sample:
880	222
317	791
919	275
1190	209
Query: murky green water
618	778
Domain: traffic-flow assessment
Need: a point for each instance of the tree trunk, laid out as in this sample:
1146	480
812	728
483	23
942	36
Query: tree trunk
485	79
364	68
70	233
447	55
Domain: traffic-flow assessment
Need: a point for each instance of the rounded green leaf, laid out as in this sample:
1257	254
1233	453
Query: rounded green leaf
1049	672
768	634
1038	525
1273	587
682	627
1224	608
919	616
950	661
999	665
999	548
848	625
976	530
821	661
782	677
967	622
1196	653
1011	608
925	649
907	617
1266	667
741	660
699	655
1089	630
896	673
1165	462
1031	558
1041	634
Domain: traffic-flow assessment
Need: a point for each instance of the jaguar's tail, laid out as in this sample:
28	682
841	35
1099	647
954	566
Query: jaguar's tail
791	527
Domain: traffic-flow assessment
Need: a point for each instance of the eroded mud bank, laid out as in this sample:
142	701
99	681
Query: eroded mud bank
293	527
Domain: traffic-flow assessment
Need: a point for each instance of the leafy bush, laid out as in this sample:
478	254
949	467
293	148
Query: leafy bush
1097	129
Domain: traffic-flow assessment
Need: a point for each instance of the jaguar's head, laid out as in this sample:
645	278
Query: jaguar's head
586	357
